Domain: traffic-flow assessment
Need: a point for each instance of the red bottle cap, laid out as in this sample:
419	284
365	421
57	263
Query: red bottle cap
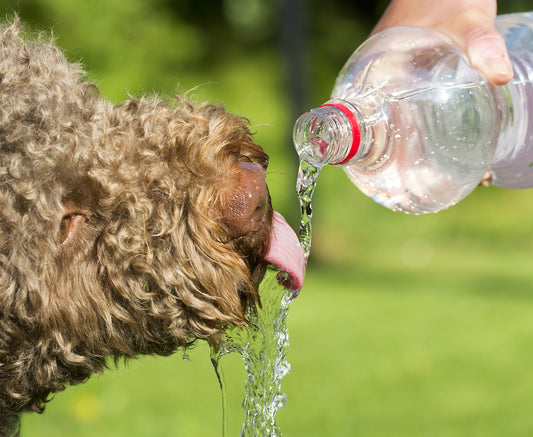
356	133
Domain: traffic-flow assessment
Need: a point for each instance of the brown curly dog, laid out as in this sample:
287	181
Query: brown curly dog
124	230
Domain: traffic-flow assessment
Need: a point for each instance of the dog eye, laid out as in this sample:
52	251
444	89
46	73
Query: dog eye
264	163
261	160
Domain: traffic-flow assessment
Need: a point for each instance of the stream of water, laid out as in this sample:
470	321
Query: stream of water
263	345
305	188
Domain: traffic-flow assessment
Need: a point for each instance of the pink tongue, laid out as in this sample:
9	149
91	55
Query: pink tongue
286	253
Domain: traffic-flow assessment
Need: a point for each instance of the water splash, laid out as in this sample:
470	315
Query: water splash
263	347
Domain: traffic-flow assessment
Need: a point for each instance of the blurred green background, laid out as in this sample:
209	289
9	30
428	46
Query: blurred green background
406	326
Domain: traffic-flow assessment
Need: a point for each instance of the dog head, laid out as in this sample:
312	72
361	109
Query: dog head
125	230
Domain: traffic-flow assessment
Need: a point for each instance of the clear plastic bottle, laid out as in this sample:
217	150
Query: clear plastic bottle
416	127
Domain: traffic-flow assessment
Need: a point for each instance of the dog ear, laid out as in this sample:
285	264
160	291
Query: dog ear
69	227
77	206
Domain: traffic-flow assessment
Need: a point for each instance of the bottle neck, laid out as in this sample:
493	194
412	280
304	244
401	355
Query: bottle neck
330	134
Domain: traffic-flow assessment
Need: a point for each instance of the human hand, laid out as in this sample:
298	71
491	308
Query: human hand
469	22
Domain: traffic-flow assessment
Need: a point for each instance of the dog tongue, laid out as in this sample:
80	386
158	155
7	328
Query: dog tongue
286	253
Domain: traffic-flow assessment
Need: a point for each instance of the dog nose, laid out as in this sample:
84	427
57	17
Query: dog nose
245	209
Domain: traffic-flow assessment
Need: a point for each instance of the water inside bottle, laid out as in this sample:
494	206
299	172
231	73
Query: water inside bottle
434	156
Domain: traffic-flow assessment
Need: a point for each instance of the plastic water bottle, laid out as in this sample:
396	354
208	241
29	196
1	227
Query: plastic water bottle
416	127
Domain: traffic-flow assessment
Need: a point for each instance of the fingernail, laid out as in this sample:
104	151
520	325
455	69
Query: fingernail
499	65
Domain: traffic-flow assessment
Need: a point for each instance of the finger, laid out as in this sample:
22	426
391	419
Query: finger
487	52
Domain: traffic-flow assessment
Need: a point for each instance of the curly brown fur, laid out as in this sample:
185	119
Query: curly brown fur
111	230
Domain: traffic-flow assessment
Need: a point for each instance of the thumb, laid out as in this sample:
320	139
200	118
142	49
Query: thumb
487	52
